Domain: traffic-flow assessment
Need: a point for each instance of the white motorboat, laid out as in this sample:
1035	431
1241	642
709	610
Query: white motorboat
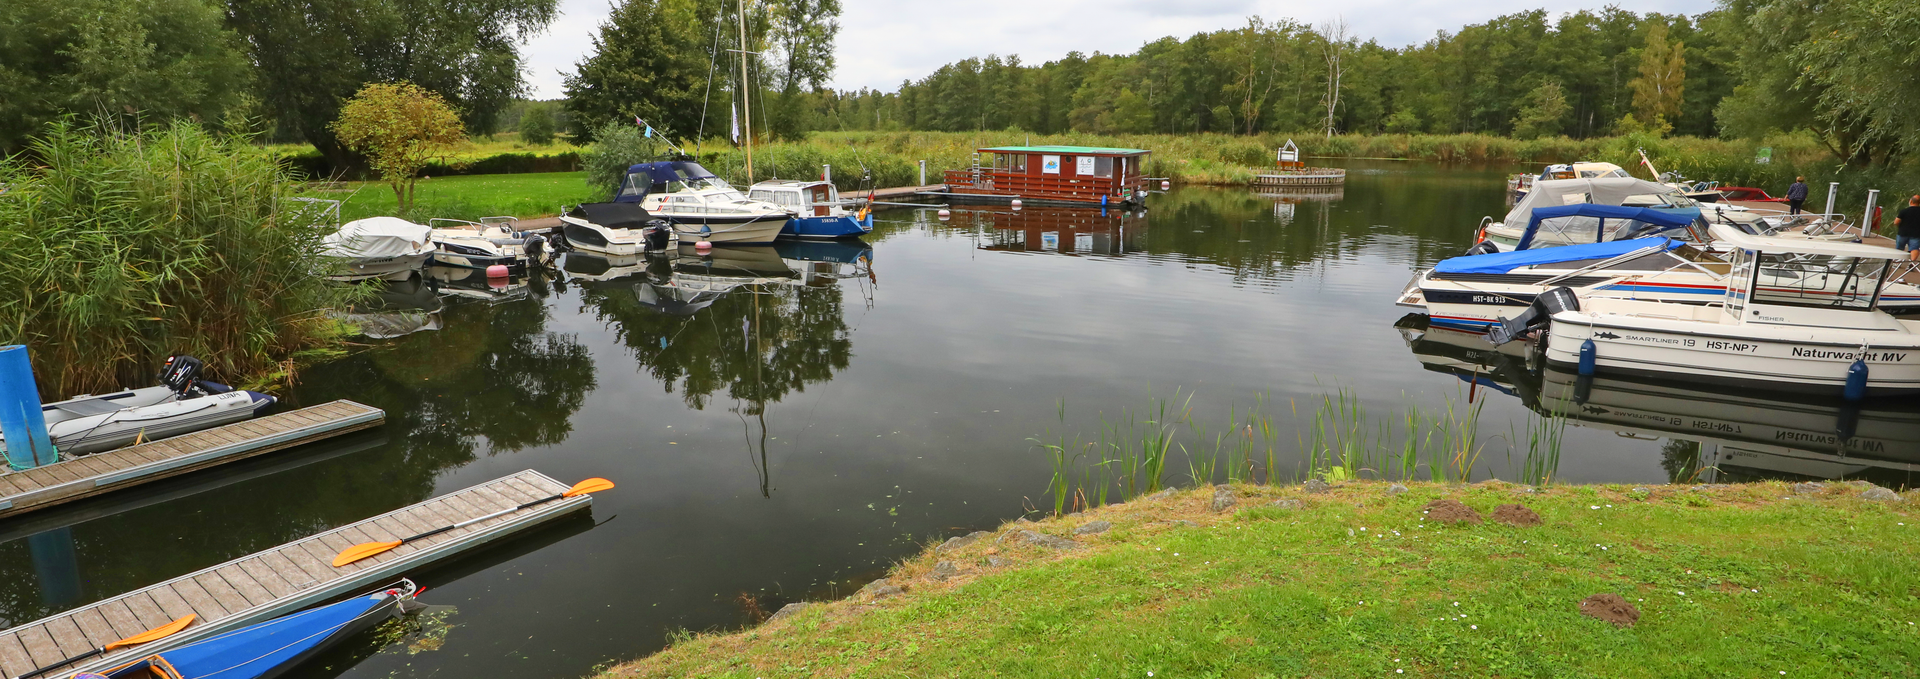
817	210
377	247
486	243
182	404
615	229
699	205
1805	319
1519	223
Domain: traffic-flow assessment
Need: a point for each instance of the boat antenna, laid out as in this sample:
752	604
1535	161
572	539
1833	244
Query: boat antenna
713	59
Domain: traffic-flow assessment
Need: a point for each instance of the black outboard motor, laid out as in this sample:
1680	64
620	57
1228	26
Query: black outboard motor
1536	316
657	234
1481	248
536	248
181	373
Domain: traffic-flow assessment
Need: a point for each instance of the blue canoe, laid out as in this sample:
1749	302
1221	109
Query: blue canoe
265	650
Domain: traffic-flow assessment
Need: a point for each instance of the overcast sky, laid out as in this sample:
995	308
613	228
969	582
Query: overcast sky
883	42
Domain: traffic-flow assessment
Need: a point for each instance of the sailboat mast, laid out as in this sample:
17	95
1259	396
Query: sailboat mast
746	108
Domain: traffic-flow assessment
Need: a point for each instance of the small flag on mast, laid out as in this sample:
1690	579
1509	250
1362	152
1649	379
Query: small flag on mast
736	123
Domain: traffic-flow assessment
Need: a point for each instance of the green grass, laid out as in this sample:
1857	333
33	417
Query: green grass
475	149
1730	581
468	196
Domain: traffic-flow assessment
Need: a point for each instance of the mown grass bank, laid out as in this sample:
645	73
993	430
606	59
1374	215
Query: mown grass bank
466	197
1750	580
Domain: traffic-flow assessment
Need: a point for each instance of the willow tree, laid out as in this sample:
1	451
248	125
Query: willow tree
1661	87
400	127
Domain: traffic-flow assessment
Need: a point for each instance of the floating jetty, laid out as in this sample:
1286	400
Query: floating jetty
1305	176
90	475
284	579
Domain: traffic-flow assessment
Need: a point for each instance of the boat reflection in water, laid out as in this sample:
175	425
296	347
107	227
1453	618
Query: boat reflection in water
475	284
400	308
1067	231
596	267
1719	434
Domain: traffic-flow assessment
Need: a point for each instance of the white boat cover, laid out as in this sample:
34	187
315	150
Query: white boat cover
1599	190
375	237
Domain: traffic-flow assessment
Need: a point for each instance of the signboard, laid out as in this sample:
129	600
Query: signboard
1083	166
1050	164
1765	156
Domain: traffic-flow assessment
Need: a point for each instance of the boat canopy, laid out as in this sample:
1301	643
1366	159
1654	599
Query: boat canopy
1503	262
1587	222
1598	190
376	237
661	176
612	215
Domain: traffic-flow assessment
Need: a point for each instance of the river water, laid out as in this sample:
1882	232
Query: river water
783	423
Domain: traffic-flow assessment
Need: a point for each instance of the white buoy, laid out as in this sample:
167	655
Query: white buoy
945	213
1016	203
1165	185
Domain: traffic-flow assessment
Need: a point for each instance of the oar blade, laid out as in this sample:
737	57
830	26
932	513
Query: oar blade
156	633
593	485
362	551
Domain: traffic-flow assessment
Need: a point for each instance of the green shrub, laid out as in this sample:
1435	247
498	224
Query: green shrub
127	247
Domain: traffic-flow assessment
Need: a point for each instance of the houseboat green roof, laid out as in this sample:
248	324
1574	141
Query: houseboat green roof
1065	150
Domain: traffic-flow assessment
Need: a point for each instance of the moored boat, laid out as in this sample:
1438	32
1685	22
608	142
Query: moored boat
700	205
182	404
816	208
1077	176
269	649
485	244
377	247
616	229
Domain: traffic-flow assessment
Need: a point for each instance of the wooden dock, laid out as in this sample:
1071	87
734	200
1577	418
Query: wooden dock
896	192
284	579
1311	176
90	475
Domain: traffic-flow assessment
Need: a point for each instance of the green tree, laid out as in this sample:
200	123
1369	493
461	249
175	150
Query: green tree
1544	114
536	124
159	58
1661	86
654	59
400	127
309	56
802	33
1864	62
617	146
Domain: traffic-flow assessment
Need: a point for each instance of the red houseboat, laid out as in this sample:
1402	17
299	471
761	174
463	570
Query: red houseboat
1055	175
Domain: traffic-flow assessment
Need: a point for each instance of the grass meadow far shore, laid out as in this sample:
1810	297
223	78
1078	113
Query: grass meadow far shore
1747	580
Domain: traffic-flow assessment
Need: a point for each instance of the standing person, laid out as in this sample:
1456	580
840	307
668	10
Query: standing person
1906	229
1796	195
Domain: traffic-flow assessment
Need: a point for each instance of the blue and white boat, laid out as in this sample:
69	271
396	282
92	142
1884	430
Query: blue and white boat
268	649
817	210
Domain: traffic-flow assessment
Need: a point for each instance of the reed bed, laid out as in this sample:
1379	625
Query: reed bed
123	247
1337	440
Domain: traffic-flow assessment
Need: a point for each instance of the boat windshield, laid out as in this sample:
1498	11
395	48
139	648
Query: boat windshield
1819	280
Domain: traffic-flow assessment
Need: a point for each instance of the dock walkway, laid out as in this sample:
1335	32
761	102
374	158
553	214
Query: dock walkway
284	579
90	475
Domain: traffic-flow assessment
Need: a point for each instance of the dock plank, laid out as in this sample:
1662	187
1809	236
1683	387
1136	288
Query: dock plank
249	589
172	606
14	660
94	625
202	601
320	571
230	599
266	576
40	646
145	610
291	572
68	636
121	618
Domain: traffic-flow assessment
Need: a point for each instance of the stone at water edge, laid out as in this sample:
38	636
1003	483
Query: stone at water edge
1807	488
961	541
1041	539
1316	486
998	562
1093	527
1610	608
1223	498
1288	503
788	610
1162	495
944	570
1878	494
1396	489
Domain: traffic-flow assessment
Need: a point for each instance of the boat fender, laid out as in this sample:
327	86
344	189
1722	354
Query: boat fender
497	271
1847	422
1587	358
1856	388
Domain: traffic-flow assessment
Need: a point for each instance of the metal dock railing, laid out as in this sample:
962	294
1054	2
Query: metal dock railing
90	475
284	579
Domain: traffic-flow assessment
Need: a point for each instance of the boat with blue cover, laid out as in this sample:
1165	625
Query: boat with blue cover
817	210
270	648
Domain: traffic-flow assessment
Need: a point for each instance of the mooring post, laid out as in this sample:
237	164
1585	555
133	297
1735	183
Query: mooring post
923	173
21	421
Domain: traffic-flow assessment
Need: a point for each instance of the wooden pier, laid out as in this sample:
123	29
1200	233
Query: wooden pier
90	475
284	579
1306	176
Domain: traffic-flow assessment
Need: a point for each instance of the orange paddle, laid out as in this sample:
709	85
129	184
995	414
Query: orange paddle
367	549
162	631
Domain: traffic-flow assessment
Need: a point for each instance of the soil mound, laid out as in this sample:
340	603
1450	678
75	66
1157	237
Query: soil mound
1451	511
1610	608
1515	515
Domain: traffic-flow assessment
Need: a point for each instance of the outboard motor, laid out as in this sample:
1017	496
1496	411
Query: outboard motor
1536	316
536	248
181	373
657	234
1481	248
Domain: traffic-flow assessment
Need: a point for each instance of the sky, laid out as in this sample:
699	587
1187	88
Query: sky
883	42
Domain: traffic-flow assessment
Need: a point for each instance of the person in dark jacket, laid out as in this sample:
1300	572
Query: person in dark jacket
1906	229
1796	195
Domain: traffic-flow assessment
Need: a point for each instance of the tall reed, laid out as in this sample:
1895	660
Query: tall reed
123	247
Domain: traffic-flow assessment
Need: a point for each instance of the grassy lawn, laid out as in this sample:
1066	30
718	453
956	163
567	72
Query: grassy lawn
1729	581
505	142
469	196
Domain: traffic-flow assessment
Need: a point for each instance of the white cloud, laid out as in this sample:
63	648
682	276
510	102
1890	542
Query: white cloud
883	42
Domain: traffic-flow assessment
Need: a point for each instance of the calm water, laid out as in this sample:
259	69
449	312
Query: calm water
821	411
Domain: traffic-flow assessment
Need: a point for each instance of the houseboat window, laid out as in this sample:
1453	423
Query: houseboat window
1103	167
1818	280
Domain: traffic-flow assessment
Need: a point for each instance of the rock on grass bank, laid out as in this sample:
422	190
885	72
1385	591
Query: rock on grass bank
1365	580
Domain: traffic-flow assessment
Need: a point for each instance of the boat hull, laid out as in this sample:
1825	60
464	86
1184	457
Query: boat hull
745	230
826	228
385	268
1778	359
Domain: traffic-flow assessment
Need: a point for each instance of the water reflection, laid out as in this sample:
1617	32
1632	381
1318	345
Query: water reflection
397	309
1712	434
